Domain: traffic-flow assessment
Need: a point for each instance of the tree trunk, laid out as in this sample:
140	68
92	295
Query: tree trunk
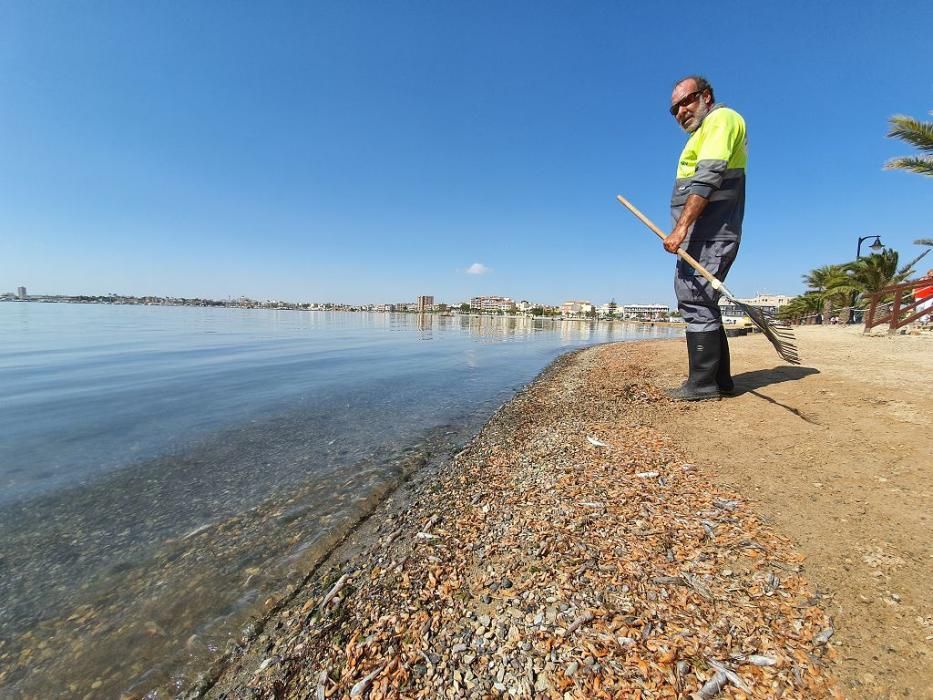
827	310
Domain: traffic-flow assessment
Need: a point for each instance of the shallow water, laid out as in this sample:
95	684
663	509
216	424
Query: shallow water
167	470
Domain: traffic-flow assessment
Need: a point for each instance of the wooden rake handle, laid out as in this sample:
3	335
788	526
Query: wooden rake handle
685	256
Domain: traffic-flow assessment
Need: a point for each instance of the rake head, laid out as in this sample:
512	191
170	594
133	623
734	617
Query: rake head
779	333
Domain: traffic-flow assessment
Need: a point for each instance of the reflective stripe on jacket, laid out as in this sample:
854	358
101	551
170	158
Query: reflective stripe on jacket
712	165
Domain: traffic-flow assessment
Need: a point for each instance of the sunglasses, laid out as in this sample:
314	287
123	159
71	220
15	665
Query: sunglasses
684	102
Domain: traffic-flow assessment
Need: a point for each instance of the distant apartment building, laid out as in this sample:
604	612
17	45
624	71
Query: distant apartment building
644	312
608	308
772	300
492	303
770	303
20	292
574	308
425	303
525	306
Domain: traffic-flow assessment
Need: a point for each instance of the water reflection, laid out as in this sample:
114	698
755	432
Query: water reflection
478	326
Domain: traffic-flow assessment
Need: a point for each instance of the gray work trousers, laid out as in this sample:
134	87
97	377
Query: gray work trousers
697	301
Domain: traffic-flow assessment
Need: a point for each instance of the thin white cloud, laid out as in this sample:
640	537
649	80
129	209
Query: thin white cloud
477	269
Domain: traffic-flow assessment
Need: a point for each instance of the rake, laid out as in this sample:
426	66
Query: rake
778	332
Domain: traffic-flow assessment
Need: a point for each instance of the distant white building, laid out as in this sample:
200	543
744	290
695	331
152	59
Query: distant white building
644	312
492	303
610	307
770	303
20	292
775	300
425	303
575	307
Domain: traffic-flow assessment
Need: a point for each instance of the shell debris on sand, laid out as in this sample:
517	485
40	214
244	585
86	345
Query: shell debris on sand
550	570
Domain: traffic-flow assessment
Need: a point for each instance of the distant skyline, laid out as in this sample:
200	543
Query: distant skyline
362	152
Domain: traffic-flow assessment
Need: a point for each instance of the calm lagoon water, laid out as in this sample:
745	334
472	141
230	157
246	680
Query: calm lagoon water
166	469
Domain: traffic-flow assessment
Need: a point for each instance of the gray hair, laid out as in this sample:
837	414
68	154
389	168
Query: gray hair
702	84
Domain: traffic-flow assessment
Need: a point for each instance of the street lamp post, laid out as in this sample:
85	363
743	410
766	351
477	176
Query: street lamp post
876	246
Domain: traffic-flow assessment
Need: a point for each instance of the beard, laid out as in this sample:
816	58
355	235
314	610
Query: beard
692	123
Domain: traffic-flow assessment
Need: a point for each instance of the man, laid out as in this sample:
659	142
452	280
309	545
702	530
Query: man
707	205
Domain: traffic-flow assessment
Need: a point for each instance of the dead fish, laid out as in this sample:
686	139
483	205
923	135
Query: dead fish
361	687
341	582
597	443
711	688
582	620
266	663
823	637
648	475
733	677
425	536
755	659
321	692
197	531
697	585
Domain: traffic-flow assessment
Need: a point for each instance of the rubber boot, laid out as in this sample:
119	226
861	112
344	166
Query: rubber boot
724	373
703	351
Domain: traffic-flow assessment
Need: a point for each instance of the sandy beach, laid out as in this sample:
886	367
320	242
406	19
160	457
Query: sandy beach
597	540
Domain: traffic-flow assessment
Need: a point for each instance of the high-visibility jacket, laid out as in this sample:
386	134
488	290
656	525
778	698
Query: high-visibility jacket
712	165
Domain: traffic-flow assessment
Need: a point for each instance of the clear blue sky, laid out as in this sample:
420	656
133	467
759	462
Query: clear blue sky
374	151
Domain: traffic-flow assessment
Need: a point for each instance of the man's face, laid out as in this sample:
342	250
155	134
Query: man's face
691	106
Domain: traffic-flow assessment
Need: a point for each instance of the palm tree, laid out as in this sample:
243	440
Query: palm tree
818	278
807	304
823	282
841	292
873	273
916	133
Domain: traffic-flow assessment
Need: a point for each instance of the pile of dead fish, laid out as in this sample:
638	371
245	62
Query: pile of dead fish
569	552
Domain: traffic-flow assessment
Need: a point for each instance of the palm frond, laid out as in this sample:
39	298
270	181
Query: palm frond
924	241
818	278
916	164
908	269
913	131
